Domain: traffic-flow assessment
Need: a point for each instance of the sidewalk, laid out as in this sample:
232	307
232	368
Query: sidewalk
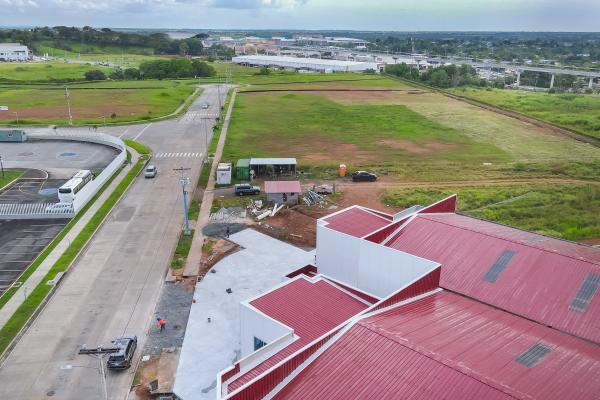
195	255
36	277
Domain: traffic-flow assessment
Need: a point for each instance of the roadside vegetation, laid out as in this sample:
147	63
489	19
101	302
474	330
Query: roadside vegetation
563	211
18	320
579	112
48	72
137	146
8	176
182	250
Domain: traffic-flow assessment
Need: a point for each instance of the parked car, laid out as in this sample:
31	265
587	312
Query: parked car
122	358
363	176
242	189
150	171
205	106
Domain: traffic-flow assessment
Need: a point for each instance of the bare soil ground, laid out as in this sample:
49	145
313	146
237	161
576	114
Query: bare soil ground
214	250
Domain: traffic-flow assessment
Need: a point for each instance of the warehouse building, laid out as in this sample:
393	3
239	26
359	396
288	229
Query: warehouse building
13	52
312	64
425	304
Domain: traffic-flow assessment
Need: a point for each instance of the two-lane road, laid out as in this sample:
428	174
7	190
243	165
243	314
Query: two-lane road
113	287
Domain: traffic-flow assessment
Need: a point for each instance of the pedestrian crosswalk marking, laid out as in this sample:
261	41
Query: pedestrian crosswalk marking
178	155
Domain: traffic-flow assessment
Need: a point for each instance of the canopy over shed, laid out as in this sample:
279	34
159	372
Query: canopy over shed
273	166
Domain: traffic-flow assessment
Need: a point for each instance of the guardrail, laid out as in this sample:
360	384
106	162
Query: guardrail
36	211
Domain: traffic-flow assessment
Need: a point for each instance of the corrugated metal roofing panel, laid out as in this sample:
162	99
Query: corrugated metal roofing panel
356	222
536	282
311	309
282	187
272	161
451	347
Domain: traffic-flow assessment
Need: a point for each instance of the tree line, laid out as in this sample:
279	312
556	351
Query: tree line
444	76
174	68
76	39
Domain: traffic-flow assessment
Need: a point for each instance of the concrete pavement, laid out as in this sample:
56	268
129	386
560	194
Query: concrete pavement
195	255
113	287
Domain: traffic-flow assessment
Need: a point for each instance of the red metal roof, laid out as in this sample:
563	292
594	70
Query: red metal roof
282	187
446	346
538	282
356	221
310	308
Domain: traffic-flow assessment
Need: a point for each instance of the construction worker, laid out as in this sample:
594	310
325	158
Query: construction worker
162	324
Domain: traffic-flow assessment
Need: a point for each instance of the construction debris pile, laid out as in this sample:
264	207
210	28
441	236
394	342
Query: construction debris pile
312	198
256	209
229	215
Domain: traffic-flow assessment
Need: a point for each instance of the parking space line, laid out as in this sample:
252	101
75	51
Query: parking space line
16	261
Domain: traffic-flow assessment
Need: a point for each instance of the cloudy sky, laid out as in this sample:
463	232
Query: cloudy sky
400	15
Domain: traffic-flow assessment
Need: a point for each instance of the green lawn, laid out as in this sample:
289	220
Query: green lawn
46	72
8	177
322	132
118	101
580	112
563	211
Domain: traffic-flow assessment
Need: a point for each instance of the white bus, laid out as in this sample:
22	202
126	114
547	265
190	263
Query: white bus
67	192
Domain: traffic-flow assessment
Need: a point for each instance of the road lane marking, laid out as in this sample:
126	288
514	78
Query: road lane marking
142	131
124	132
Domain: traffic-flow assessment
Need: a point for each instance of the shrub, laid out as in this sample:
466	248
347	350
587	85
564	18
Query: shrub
95	75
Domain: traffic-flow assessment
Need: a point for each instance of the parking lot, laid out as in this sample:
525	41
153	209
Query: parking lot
20	243
31	190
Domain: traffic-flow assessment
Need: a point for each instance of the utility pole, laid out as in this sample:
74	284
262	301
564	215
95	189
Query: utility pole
184	180
99	352
68	98
1	167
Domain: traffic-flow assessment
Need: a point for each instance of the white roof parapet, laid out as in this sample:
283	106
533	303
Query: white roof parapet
272	161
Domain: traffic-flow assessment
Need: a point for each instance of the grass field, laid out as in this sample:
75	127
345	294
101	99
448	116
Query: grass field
117	101
580	112
8	177
46	72
129	56
408	133
564	211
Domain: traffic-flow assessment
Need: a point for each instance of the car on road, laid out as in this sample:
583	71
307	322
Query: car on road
150	171
205	106
242	189
123	357
363	176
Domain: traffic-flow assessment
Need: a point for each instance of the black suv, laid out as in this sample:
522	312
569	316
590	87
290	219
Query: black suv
122	358
245	188
363	176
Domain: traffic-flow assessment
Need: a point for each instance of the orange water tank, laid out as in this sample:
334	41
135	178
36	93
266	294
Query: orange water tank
342	170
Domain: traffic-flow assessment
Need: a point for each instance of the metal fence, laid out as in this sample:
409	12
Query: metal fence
36	210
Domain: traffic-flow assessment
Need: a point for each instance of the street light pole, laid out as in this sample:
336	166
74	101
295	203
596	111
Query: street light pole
184	181
2	166
67	97
17	114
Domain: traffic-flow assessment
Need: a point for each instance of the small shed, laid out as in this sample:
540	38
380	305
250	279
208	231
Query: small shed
273	167
12	135
281	192
242	169
224	174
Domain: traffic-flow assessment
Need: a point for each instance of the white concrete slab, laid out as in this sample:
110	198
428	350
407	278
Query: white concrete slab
211	347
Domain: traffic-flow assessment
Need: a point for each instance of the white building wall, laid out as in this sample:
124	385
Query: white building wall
255	324
13	52
338	255
366	265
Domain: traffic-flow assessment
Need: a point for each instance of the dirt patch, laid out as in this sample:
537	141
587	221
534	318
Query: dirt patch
426	148
146	373
213	251
332	150
87	112
291	226
368	96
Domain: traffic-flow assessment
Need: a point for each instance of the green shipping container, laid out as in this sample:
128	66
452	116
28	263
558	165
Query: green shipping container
242	169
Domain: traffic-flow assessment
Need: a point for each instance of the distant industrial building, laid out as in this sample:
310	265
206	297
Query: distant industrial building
313	64
13	52
424	304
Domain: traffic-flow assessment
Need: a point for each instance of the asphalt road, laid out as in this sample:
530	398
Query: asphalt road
114	285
